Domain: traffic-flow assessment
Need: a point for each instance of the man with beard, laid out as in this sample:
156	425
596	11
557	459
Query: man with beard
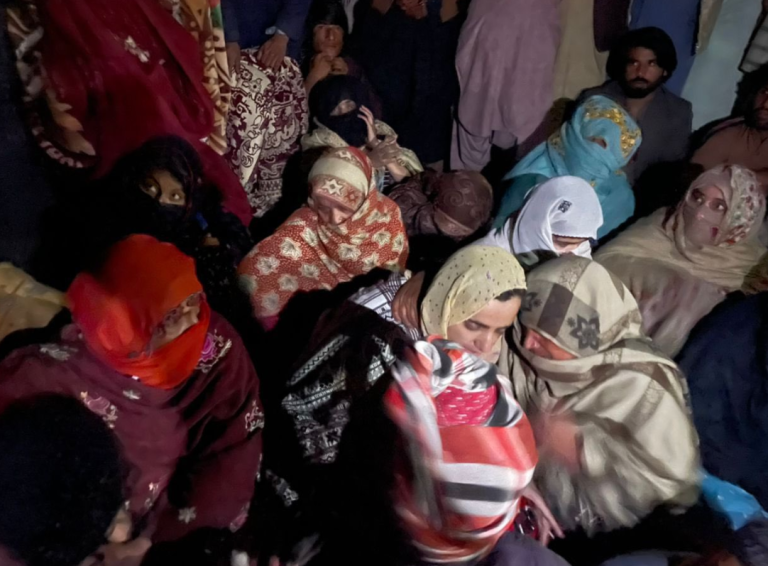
742	138
639	65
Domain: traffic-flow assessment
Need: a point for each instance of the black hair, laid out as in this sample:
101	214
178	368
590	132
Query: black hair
749	87
61	480
651	38
328	12
164	153
509	295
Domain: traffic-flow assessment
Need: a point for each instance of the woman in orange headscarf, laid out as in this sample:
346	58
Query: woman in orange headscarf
168	375
346	229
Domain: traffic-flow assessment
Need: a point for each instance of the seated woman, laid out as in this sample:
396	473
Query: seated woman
472	301
616	440
103	78
341	116
325	52
454	205
724	360
268	111
680	262
416	470
346	229
594	144
559	216
158	190
170	377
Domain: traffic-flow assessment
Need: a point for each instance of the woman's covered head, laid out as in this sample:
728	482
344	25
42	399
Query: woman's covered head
159	188
61	481
335	102
339	183
463	201
561	216
598	140
722	207
576	308
474	299
143	312
327	26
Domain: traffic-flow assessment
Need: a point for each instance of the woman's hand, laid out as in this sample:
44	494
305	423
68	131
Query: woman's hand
120	550
385	153
339	67
272	52
370	123
546	523
405	306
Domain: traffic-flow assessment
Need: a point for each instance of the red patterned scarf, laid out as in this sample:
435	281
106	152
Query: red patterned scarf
471	451
306	253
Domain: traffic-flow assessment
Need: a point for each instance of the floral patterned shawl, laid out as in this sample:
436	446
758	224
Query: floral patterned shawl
639	447
305	253
203	19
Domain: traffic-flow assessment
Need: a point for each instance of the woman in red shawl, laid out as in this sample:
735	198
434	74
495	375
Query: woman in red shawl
102	77
346	229
170	377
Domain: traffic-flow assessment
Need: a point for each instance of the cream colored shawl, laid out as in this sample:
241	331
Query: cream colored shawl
640	449
325	137
25	303
470	279
675	283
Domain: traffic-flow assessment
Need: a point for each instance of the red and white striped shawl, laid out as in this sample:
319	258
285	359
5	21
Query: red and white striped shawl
470	447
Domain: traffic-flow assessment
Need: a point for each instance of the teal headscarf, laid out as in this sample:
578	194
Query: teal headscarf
570	152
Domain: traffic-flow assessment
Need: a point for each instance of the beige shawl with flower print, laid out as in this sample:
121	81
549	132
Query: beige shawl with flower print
640	449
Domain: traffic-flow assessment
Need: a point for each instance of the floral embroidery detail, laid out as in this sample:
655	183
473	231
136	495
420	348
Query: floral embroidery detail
382	237
132	394
153	490
310	270
587	332
57	352
215	348
531	301
187	515
271	303
629	135
102	407
332	186
398	244
133	48
267	265
348	252
290	249
358	239
288	283
254	419
371	261
309	236
248	284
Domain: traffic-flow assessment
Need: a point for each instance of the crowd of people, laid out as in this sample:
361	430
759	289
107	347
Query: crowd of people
384	282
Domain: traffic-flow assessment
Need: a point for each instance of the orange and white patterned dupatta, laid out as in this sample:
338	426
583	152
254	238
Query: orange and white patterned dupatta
306	254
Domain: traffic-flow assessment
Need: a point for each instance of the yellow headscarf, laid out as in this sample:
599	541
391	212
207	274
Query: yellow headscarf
469	280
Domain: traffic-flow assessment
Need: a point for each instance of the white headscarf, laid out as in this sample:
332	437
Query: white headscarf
562	206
